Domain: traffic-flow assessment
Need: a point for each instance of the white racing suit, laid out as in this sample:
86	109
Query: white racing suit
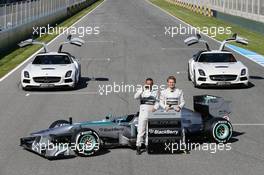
171	98
148	101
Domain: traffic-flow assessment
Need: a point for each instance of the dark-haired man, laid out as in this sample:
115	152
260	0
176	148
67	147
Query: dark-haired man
148	103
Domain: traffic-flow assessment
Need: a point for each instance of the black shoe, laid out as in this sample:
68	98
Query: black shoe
138	150
143	146
146	148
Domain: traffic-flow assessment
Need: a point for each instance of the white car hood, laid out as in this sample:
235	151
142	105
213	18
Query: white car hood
49	70
221	68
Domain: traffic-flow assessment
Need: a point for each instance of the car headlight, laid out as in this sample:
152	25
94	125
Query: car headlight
243	72
68	74
201	72
26	74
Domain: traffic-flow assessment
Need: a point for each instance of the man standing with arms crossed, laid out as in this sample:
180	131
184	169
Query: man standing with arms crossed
148	103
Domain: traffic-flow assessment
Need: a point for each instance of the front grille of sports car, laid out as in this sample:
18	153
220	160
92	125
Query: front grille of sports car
47	79
223	77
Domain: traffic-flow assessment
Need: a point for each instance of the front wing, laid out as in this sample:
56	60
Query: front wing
46	147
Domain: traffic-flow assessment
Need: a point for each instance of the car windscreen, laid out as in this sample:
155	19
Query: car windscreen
52	59
216	58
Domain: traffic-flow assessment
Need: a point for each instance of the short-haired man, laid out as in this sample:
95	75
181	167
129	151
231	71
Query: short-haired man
172	98
148	103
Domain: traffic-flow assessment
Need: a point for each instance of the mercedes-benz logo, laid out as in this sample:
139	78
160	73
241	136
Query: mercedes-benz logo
46	80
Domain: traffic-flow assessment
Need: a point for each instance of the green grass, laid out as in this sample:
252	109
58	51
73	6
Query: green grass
256	40
10	61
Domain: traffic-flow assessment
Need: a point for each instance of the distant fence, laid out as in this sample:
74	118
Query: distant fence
22	12
18	19
250	9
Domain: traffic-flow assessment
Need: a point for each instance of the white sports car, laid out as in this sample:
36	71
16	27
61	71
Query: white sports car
52	69
216	67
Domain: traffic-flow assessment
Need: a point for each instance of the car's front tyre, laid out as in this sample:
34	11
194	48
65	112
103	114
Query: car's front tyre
75	85
25	88
86	142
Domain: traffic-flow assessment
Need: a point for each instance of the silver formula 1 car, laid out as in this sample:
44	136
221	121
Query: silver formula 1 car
210	118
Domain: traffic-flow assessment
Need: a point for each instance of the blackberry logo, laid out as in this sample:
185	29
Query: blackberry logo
163	131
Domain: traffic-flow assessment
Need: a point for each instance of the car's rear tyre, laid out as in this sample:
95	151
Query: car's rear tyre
86	142
59	123
218	130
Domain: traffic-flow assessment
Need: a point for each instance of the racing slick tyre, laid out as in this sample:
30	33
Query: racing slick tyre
59	123
86	142
218	130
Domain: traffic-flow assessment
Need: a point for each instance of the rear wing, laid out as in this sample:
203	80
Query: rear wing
196	39
211	106
234	38
32	42
74	41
